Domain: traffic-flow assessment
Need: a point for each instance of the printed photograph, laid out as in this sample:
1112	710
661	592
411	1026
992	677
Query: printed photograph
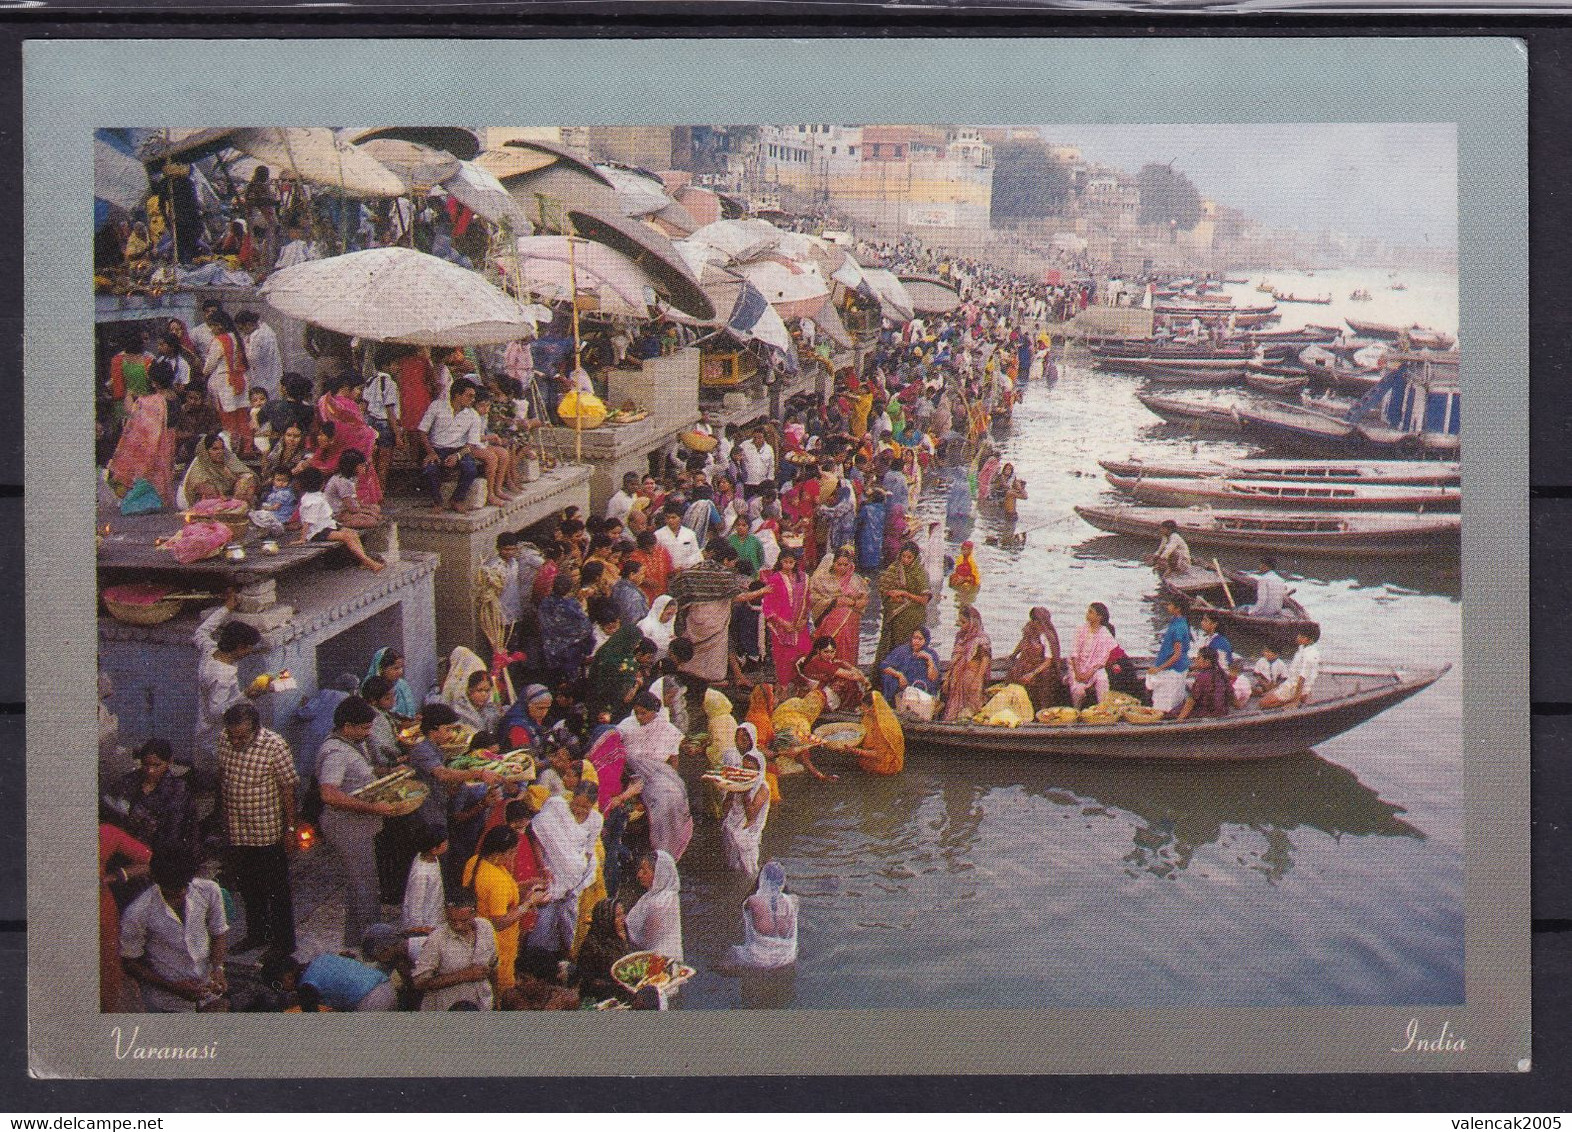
811	565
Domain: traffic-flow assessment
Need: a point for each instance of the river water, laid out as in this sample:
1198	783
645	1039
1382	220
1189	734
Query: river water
1332	877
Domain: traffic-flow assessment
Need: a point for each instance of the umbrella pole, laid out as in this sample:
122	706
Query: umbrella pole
578	346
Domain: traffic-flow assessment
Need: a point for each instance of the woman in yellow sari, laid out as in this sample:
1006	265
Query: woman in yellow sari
497	897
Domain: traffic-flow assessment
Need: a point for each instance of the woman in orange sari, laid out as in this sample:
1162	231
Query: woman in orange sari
350	432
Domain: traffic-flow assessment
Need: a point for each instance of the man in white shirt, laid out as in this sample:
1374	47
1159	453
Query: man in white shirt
458	961
1303	671
266	363
1269	671
449	433
1173	553
174	937
220	644
758	462
299	249
1270	591
618	506
678	541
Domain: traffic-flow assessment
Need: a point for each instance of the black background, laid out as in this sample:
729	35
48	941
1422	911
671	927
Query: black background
1547	1087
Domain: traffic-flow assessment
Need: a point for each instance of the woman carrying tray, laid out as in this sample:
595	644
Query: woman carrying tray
746	810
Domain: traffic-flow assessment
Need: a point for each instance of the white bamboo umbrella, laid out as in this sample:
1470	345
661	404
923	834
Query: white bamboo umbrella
318	155
398	295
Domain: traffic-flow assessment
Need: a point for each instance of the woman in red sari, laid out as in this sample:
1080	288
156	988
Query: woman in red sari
417	386
350	433
799	506
838	596
823	670
786	614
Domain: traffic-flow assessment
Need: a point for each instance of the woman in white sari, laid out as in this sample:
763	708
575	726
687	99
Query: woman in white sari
769	924
660	624
655	920
742	824
567	832
651	742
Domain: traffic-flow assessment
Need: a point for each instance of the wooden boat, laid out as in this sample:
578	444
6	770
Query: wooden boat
1202	591
1193	414
1236	282
1283	493
1382	330
1361	296
1298	428
1138	348
1332	533
1275	384
1304	336
1422	338
1344	697
1318	300
1169	372
1313	471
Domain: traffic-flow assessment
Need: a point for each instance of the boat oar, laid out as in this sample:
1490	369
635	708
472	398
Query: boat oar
1221	577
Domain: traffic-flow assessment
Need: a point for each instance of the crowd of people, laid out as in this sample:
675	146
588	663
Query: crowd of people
735	577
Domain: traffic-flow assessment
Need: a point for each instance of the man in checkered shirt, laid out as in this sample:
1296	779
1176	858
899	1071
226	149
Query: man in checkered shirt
257	783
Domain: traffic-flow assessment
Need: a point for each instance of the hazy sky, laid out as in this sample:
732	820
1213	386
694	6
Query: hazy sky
1395	181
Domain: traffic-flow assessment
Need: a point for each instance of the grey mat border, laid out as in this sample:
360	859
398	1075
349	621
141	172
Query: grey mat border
1479	83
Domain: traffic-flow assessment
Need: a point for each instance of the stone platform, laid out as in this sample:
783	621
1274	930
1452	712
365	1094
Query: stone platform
461	542
328	620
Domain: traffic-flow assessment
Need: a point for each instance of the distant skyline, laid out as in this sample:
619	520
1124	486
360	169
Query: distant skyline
1393	181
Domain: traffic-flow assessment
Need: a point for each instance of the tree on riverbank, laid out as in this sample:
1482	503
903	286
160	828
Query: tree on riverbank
1028	183
1168	197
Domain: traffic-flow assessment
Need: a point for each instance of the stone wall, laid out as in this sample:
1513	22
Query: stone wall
460	543
154	667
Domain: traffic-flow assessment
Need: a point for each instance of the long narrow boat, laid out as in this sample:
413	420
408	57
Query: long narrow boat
1299	429
1213	492
1343	698
1356	534
1165	372
1198	415
1204	591
1137	348
1262	380
1314	471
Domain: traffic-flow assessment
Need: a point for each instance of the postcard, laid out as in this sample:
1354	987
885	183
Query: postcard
893	557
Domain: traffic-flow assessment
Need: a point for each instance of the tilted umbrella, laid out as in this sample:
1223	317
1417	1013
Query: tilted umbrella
560	268
398	295
930	295
794	290
478	190
890	292
654	253
460	141
320	156
118	177
416	164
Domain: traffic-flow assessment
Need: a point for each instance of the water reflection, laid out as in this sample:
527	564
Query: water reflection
1178	809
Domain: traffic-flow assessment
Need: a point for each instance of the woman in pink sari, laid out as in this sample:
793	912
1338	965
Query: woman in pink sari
350	432
962	687
786	614
1094	645
147	444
